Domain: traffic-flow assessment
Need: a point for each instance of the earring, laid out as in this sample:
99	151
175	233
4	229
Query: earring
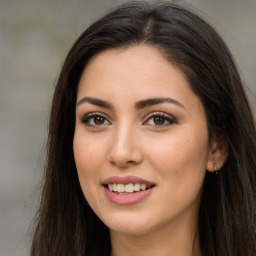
215	168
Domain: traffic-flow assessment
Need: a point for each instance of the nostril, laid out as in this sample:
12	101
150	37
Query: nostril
131	162
123	164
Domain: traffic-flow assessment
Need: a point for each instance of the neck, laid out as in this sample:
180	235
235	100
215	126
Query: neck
177	239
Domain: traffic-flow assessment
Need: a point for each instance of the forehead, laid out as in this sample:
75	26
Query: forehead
133	74
139	65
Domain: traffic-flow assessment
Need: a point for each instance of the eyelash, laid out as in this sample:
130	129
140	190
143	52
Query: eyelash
163	117
91	117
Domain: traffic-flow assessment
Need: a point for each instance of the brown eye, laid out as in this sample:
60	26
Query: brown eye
99	120
94	119
159	120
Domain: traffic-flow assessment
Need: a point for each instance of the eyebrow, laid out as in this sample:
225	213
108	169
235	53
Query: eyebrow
138	105
95	101
154	101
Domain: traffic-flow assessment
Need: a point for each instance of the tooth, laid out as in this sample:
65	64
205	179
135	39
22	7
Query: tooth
143	186
129	188
136	187
110	187
114	187
120	188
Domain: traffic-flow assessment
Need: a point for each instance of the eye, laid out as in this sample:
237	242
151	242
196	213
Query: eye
95	119
159	119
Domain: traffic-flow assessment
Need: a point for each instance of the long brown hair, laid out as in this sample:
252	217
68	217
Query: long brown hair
65	224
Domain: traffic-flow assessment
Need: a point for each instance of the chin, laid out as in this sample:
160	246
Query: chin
129	224
132	230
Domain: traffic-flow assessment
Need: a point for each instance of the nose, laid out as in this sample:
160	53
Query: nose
125	148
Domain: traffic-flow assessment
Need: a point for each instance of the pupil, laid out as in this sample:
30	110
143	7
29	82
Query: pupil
159	120
98	120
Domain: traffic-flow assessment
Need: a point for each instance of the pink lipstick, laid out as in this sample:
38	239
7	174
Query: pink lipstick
127	190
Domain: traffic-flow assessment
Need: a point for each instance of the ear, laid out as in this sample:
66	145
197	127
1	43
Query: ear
218	154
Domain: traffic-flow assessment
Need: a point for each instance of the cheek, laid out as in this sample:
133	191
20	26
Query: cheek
181	156
89	159
181	164
87	155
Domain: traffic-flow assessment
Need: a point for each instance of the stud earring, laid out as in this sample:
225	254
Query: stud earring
215	168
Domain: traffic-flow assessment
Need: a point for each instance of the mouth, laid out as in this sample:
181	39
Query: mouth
125	189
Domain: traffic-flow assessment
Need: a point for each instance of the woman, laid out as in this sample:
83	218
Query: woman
151	147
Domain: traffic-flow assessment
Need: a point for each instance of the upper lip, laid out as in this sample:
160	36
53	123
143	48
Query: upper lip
126	180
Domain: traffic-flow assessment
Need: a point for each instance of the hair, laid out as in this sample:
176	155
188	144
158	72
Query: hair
65	223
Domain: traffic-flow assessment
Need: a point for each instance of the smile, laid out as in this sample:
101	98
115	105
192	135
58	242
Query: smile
127	190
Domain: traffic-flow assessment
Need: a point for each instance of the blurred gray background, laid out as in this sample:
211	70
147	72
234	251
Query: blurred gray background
34	39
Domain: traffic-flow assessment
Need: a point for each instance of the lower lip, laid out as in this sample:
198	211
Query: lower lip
127	199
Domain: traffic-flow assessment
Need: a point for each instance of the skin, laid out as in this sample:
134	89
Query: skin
125	140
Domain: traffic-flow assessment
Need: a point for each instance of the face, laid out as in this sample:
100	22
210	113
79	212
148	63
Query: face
142	132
